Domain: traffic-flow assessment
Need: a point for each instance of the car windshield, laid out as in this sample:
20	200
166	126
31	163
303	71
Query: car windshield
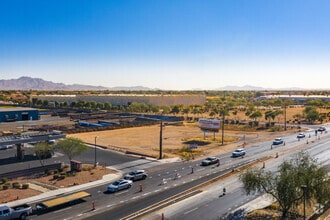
278	139
116	183
132	173
209	158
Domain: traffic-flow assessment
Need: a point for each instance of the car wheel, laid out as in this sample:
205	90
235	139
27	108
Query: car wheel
129	186
22	216
144	177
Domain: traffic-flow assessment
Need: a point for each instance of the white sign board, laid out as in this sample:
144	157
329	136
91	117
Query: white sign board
209	124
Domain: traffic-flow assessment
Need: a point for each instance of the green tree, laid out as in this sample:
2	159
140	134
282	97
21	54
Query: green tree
176	109
71	147
255	115
311	114
269	115
286	184
42	151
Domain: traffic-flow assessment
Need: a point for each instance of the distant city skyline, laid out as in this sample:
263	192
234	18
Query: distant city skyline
170	45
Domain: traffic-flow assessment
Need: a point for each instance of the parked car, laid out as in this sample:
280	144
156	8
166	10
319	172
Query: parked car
278	141
321	129
210	160
119	185
4	147
238	152
136	175
17	212
301	135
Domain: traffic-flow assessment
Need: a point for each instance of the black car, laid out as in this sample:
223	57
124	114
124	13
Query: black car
321	129
210	160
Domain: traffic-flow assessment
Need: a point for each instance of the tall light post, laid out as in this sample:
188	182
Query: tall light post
95	150
161	140
304	187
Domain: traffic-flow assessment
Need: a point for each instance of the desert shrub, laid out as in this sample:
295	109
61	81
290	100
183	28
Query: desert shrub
4	187
62	176
25	186
56	176
66	166
16	185
4	180
276	128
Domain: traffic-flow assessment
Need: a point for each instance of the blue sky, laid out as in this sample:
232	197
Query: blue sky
168	44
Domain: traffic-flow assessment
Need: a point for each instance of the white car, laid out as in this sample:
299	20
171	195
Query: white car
4	147
119	185
301	135
278	141
136	175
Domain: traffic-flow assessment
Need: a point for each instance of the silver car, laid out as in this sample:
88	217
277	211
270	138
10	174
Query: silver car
210	160
119	185
136	175
238	153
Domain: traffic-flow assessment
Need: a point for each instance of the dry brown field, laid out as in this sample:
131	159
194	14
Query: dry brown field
145	140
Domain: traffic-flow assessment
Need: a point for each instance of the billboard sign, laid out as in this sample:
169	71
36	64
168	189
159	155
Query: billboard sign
209	124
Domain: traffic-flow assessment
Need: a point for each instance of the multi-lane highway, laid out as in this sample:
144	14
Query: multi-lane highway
167	180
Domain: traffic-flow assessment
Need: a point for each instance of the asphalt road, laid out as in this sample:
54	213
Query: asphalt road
209	205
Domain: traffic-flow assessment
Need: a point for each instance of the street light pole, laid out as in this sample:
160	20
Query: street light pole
161	140
304	187
95	151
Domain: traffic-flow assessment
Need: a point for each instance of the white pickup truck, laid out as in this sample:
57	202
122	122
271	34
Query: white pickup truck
17	212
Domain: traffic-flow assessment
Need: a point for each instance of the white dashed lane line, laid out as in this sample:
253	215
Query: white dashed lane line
187	212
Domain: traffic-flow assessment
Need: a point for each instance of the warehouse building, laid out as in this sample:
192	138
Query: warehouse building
18	114
127	99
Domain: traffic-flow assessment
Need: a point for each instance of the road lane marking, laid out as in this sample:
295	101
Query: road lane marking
187	212
119	193
63	210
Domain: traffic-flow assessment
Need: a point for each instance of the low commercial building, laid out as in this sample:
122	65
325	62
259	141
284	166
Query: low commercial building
18	114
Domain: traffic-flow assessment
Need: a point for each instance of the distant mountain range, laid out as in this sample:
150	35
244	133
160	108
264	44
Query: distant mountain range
29	83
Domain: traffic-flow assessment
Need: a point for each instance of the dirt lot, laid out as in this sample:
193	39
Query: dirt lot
145	140
47	182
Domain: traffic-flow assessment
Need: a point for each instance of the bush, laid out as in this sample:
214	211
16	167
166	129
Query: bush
16	185
62	176
4	180
65	166
25	186
56	176
4	187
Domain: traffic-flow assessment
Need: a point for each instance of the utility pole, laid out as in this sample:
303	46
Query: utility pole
304	187
95	151
284	116
161	140
223	126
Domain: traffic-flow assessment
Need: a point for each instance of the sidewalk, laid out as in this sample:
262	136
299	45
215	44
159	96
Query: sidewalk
54	193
